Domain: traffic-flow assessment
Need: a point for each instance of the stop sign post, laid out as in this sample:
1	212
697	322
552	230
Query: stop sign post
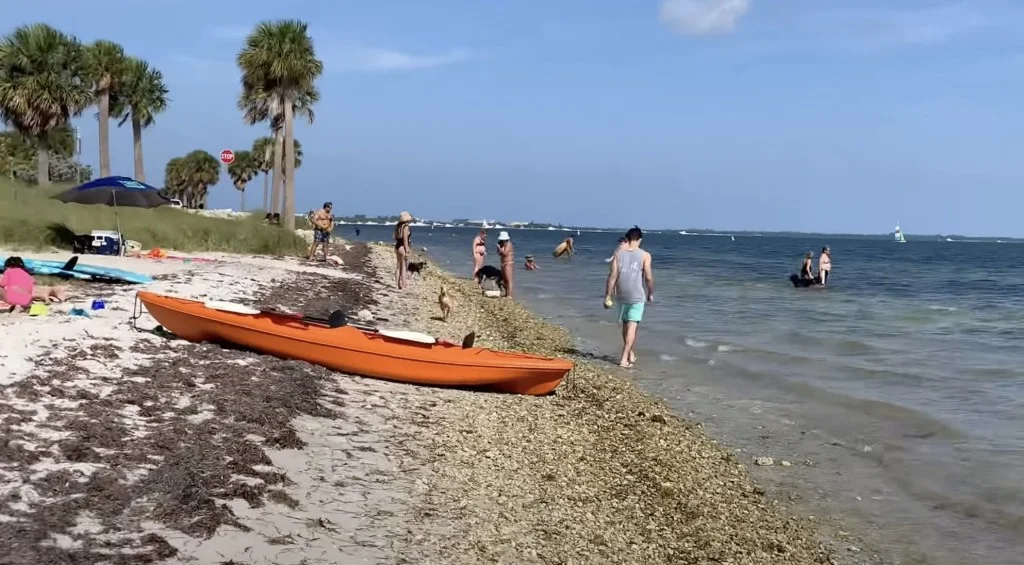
227	156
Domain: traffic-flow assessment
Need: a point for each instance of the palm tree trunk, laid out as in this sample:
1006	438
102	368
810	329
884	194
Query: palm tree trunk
105	133
275	185
140	171
289	163
242	208
43	162
266	191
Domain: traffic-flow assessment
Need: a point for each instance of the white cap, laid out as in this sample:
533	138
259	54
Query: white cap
503	236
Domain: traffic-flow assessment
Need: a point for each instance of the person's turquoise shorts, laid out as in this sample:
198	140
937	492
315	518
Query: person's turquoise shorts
632	312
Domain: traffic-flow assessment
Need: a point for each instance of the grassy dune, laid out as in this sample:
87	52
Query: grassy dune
31	219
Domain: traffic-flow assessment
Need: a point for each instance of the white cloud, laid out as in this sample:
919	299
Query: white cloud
384	59
344	57
702	17
229	32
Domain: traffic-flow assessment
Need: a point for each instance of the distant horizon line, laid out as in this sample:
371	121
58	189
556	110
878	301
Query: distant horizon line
370	220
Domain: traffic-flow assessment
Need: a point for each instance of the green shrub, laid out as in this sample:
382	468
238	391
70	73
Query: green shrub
30	218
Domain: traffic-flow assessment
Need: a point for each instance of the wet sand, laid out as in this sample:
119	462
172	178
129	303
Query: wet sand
126	446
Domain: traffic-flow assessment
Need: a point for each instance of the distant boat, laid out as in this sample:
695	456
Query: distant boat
898	235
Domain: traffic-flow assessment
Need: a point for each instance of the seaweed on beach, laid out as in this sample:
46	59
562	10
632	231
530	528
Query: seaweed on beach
596	472
165	441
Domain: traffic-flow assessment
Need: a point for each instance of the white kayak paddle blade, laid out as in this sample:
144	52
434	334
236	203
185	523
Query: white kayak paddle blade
232	307
408	336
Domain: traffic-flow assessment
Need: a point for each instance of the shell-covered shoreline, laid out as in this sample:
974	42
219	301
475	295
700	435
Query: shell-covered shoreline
598	472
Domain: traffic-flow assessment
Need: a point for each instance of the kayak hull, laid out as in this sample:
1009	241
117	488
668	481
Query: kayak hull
359	352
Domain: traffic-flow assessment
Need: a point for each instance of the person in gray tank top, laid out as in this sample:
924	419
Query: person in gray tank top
631	281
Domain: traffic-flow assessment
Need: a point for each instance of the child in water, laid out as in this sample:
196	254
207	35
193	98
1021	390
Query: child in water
530	264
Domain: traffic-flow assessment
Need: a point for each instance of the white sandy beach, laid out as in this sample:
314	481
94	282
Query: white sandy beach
344	480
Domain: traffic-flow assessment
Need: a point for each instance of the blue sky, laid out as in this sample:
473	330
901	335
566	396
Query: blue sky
734	114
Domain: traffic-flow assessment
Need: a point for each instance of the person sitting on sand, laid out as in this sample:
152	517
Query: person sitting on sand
16	286
530	264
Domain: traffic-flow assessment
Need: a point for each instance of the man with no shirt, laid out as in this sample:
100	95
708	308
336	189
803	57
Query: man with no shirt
323	225
632	281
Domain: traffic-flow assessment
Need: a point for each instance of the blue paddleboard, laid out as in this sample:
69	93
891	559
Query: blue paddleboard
56	268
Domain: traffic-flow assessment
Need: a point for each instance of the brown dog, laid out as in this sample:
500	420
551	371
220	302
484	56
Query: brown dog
445	302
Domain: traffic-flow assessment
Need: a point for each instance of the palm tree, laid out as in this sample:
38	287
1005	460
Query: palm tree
202	170
261	106
141	97
174	179
278	59
106	65
242	170
42	85
263	156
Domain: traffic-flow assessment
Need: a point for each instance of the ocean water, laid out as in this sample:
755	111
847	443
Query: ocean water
901	385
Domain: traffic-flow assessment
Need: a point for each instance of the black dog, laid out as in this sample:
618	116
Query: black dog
417	267
490	273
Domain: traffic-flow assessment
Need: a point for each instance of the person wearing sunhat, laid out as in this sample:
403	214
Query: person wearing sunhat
403	235
507	253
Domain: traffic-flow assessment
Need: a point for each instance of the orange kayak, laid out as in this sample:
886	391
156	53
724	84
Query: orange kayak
351	350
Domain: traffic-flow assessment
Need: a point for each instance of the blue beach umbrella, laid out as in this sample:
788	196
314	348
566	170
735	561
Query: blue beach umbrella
115	191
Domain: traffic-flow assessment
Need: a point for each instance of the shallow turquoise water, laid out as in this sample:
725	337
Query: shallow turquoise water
903	381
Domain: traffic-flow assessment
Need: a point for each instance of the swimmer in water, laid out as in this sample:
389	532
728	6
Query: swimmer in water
807	268
824	265
530	264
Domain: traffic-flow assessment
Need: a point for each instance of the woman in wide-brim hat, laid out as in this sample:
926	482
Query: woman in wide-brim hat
403	235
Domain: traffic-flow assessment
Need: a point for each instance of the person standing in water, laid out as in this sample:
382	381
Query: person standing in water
507	253
620	247
824	265
479	250
807	267
631	280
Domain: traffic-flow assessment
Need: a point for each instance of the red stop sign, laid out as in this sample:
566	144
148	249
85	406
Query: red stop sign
227	156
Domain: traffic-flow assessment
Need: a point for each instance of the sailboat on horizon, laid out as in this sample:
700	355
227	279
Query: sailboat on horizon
897	235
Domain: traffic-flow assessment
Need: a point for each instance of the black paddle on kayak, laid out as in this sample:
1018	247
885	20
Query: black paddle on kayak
339	319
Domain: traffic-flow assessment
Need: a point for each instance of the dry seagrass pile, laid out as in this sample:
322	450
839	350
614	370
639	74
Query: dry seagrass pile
596	473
